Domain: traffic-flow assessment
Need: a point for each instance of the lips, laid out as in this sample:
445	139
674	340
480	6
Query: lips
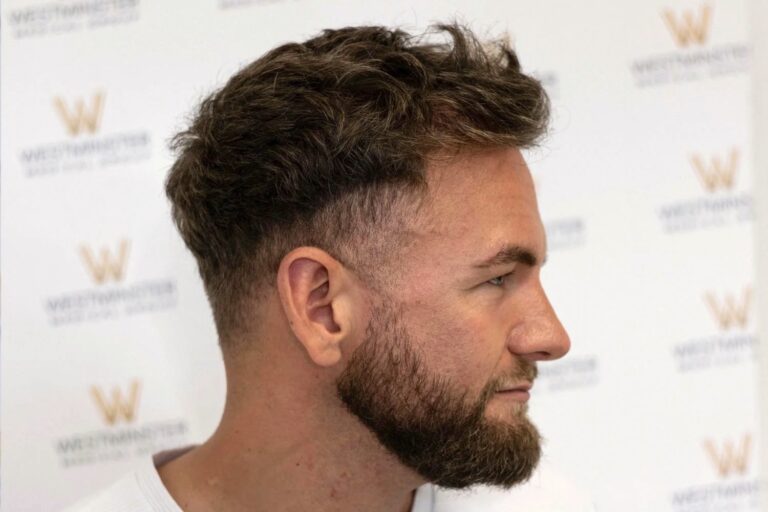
516	393
523	388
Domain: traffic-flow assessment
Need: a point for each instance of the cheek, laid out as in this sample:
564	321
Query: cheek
458	344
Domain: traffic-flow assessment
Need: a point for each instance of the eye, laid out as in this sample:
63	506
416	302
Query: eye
499	280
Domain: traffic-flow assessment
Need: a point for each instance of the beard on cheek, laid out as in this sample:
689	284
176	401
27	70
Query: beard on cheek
429	425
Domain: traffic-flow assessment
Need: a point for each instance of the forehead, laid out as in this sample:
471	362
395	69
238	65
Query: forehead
481	201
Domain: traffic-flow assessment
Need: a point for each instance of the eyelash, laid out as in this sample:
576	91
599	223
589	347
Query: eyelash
503	278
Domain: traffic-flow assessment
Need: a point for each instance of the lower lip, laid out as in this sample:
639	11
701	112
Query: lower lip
515	395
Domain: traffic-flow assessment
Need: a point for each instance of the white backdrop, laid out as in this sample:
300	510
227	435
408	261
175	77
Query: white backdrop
108	351
760	99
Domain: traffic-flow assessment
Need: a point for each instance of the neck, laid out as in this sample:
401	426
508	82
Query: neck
282	449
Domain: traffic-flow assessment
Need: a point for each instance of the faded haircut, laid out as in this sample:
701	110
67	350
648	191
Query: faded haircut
325	143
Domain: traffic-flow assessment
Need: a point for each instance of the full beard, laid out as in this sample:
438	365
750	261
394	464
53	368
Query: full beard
431	427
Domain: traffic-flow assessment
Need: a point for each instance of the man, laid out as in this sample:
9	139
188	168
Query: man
368	236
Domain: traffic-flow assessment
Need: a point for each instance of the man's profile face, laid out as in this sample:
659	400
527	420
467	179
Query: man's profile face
442	376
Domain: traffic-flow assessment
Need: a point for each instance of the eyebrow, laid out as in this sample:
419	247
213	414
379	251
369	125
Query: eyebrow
511	254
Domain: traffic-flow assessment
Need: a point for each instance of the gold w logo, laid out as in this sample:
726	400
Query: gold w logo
106	265
80	118
689	29
718	173
729	312
729	458
118	407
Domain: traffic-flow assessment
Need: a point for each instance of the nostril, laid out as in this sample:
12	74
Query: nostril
539	356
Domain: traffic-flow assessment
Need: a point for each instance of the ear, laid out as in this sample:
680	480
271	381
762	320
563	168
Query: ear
320	298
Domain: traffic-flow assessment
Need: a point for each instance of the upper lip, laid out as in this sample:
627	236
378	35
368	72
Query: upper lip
525	386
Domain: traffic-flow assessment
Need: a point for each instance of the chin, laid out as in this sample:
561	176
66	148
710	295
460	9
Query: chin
508	413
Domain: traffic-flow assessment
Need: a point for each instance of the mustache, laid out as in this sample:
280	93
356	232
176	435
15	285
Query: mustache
524	371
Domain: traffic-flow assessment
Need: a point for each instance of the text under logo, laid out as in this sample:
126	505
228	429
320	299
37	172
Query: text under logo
691	55
87	143
113	294
721	203
124	435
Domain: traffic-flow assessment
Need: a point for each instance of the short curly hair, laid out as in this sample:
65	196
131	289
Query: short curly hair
325	143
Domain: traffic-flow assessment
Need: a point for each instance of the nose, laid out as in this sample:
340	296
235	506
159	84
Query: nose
542	337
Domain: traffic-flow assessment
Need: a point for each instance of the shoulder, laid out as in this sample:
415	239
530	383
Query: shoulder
125	495
140	491
546	491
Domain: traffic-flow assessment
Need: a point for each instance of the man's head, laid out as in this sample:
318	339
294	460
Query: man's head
373	184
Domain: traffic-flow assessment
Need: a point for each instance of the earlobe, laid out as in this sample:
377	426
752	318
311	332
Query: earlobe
312	292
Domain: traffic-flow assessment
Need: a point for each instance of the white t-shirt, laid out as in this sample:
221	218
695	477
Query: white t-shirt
143	491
